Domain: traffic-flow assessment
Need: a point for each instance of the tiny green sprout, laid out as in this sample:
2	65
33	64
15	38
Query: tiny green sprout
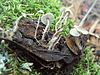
46	19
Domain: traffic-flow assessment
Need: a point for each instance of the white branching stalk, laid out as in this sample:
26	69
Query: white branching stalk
90	9
16	24
54	38
56	42
64	16
37	28
60	19
63	21
46	29
52	41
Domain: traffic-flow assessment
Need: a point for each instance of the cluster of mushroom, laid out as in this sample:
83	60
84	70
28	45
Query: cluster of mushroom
47	19
78	30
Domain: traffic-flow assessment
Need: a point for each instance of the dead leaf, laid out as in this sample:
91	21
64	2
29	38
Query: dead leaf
72	45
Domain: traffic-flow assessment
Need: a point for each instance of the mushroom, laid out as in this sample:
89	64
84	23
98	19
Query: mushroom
46	19
81	30
64	15
74	32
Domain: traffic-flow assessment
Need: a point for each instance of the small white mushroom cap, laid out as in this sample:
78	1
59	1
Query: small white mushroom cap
82	30
74	32
48	16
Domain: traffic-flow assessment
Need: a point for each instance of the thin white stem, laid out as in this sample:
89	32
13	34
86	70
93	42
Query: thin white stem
61	17
37	28
16	24
46	29
18	19
90	9
54	38
52	42
56	42
63	20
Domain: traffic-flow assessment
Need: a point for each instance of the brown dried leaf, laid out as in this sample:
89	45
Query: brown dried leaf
76	9
72	45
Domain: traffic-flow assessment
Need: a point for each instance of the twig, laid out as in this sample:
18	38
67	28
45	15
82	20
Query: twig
82	22
94	26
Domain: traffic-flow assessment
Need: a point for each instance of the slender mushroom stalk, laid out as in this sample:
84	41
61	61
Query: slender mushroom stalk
54	39
35	36
39	12
57	41
47	20
46	29
56	36
63	18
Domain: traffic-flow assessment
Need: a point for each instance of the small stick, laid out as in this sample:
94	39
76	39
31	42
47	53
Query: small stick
82	22
94	26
